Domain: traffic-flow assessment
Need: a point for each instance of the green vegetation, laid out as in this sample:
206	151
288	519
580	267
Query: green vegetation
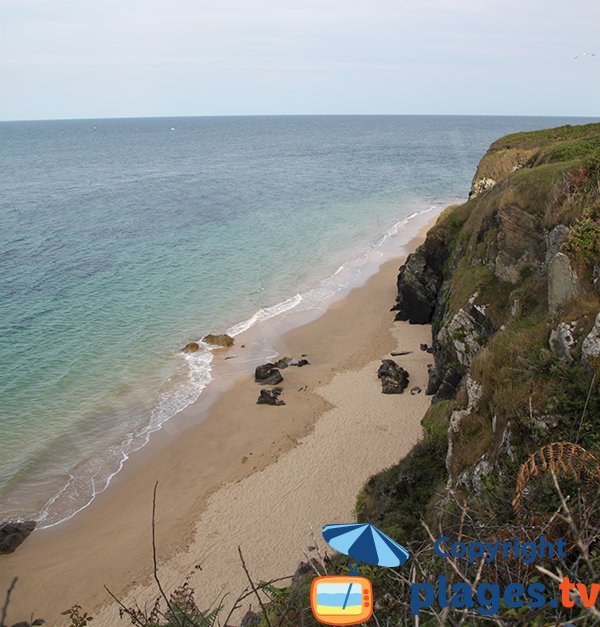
584	238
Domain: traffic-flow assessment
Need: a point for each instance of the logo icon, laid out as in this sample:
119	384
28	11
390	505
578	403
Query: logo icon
341	600
348	600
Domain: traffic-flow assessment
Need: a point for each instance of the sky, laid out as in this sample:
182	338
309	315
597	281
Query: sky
129	58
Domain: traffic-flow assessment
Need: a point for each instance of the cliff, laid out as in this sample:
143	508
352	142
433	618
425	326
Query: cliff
510	281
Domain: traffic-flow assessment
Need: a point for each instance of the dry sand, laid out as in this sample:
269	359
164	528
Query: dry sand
252	475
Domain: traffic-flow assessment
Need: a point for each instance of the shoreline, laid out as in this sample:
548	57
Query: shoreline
259	332
200	466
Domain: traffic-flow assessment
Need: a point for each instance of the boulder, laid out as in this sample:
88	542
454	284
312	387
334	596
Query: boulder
267	374
415	390
590	347
400	353
191	347
12	534
563	284
300	363
221	339
270	397
394	379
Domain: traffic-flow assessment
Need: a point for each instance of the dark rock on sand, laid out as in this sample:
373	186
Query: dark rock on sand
300	363
267	374
283	363
400	353
191	347
394	379
270	397
419	282
415	390
12	534
423	347
221	339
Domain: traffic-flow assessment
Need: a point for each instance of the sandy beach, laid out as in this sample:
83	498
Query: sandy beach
265	478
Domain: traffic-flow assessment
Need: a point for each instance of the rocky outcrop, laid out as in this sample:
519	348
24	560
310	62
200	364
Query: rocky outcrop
419	282
466	332
222	339
270	397
13	534
191	347
267	374
563	283
520	244
562	341
394	379
481	185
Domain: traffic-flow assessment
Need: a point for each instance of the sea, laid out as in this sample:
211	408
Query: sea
123	239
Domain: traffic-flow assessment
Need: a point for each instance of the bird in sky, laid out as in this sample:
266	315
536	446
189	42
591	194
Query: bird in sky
585	54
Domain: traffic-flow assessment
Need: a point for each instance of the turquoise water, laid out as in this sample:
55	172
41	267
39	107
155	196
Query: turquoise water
122	240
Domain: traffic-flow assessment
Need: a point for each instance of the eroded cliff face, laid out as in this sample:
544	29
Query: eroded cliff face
510	282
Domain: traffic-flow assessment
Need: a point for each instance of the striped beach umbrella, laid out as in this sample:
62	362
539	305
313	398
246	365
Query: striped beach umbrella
365	543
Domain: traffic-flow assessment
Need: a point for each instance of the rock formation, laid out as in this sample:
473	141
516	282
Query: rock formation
394	379
222	339
12	534
267	374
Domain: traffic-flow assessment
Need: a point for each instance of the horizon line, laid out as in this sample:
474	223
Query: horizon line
289	115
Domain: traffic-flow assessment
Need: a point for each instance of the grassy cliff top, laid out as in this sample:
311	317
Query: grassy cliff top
517	150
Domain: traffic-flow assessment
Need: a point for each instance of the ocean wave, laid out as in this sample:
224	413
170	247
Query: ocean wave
265	314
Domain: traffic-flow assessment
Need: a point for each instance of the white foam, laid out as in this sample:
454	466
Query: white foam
265	314
88	482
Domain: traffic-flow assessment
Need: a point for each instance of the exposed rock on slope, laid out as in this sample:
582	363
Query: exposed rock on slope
510	281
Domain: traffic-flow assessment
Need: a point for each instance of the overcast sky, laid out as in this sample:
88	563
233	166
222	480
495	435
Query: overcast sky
107	58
